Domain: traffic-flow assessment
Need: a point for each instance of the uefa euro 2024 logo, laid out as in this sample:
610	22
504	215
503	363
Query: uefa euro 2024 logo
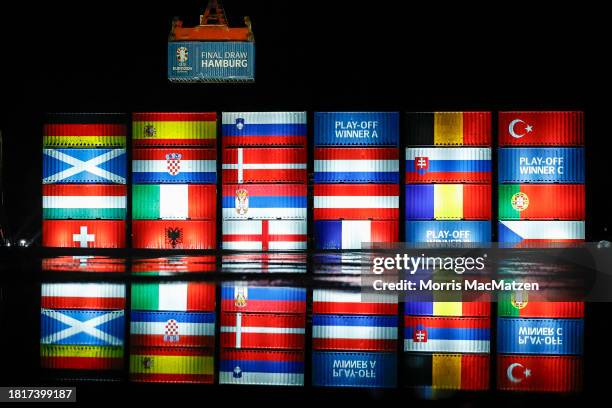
182	55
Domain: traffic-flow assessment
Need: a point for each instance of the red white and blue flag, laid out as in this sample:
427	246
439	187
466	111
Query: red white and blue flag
448	165
261	367
257	165
447	334
264	129
172	329
263	331
356	201
264	235
241	297
261	201
345	332
356	165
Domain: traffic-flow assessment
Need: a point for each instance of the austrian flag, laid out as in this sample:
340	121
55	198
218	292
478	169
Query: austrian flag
356	201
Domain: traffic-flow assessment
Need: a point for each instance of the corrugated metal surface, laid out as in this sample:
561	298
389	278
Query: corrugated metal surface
174	165
541	201
84	166
468	372
174	129
356	128
448	128
448	201
242	297
172	365
332	301
448	165
353	332
70	357
541	165
261	367
344	234
175	296
257	165
174	201
264	129
444	308
84	201
261	201
540	373
172	329
540	336
541	128
83	234
356	165
448	231
263	331
174	264
154	234
110	327
517	232
356	201
265	235
349	369
522	306
75	134
92	296
447	334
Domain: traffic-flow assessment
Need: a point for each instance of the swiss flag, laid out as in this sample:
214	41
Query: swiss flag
83	234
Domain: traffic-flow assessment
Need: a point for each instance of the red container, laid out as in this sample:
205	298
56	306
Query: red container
156	234
263	331
541	128
83	234
539	373
356	201
264	165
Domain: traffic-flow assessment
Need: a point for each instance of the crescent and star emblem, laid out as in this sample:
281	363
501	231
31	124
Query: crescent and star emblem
512	378
528	129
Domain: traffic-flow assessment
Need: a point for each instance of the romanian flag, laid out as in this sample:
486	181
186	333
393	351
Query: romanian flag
447	371
541	202
174	296
448	201
78	357
263	331
174	129
84	201
448	128
174	201
239	297
172	365
84	130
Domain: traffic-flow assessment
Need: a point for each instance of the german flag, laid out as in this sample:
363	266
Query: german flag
174	129
84	130
448	128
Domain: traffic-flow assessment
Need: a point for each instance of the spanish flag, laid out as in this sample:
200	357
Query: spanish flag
447	371
84	130
448	128
174	129
171	365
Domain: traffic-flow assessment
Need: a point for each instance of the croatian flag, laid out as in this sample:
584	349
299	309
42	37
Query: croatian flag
264	235
264	129
356	201
257	165
356	165
448	165
447	334
261	367
167	165
241	297
332	301
261	201
341	332
263	331
353	234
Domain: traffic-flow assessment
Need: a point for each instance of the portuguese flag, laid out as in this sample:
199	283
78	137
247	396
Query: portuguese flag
541	202
449	128
174	296
519	305
173	201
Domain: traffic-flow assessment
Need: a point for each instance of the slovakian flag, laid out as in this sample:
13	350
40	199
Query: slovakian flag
524	233
264	129
541	202
448	165
263	331
84	201
354	369
79	357
174	234
540	336
352	234
466	309
539	373
448	128
332	301
264	201
271	165
541	128
174	129
241	297
356	201
174	296
447	334
79	166
265	235
83	234
92	296
350	332
520	304
172	365
174	201
174	165
84	130
82	327
261	367
172	329
469	372
356	165
448	201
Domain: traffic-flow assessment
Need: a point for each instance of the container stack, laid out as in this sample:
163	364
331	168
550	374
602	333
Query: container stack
84	180
541	201
356	176
262	334
174	176
264	181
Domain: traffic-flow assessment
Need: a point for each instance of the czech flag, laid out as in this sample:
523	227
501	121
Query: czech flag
448	165
524	233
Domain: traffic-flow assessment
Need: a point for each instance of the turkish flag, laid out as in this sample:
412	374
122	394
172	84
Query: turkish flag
539	373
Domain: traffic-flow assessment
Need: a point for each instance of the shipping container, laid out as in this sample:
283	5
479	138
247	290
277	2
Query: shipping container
541	165
107	327
448	165
166	129
84	201
354	332
447	334
174	165
356	128
353	369
448	128
171	234
172	365
71	357
76	130
264	201
542	202
539	373
185	296
89	263
356	201
520	305
353	302
356	165
248	298
262	331
541	128
448	231
435	371
537	232
174	202
448	201
264	263
89	296
264	129
83	234
342	234
172	329
540	336
257	165
79	166
261	367
443	308
265	235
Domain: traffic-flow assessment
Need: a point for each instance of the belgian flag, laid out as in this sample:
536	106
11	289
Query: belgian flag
448	128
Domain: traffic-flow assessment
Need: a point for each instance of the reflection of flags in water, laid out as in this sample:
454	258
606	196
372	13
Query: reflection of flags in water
174	296
352	234
357	165
539	373
520	304
356	201
171	364
447	334
84	166
172	329
261	201
342	332
540	336
447	371
261	367
330	301
82	327
273	331
351	369
98	296
78	357
264	235
257	165
238	297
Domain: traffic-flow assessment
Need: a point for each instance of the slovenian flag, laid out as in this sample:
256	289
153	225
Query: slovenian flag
82	327
81	166
174	296
261	201
356	165
92	296
263	331
270	165
541	202
241	297
447	334
264	235
350	332
172	329
356	201
264	129
80	357
448	128
332	301
448	165
469	372
172	365
174	201
524	233
261	367
448	201
170	165
174	129
352	234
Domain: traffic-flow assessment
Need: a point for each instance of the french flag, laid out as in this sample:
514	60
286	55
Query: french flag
332	301
448	165
356	201
341	234
257	165
264	235
264	129
367	333
240	297
263	331
261	201
261	367
356	165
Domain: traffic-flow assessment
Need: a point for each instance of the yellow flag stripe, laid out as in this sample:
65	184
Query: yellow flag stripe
446	372
447	309
448	201
48	350
171	364
71	141
448	128
174	130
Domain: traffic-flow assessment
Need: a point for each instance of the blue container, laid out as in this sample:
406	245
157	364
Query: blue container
83	166
55	325
347	369
540	336
356	128
448	231
541	165
215	61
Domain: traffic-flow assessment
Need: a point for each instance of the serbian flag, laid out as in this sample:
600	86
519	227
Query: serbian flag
84	201
469	372
174	296
264	235
448	128
172	165
172	329
84	130
541	128
270	165
92	296
174	201
264	201
356	201
174	129
83	234
352	234
520	304
263	331
524	233
466	309
447	334
541	202
539	373
448	165
356	165
172	365
346	332
448	201
331	301
171	234
81	357
261	367
264	129
240	297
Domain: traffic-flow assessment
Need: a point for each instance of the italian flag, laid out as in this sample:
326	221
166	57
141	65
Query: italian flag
173	201
174	296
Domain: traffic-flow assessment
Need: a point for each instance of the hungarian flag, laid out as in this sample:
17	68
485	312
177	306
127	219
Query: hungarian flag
261	201
356	165
83	234
174	296
448	201
541	202
447	334
174	234
269	165
84	201
448	128
264	129
350	332
172	329
174	165
540	336
174	129
448	165
469	372
92	296
353	234
541	128
84	130
356	201
240	297
264	235
81	166
539	373
82	327
81	357
174	201
520	305
263	331
465	309
332	301
261	367
172	365
525	233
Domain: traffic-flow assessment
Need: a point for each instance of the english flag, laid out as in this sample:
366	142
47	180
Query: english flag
264	235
